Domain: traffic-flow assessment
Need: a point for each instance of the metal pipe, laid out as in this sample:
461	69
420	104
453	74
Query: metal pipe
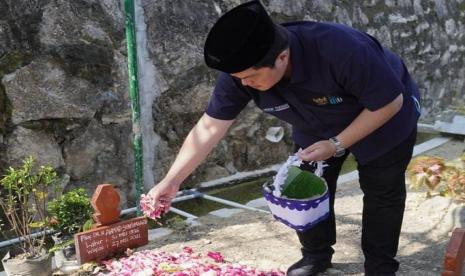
17	240
182	213
134	96
128	211
228	202
123	212
184	197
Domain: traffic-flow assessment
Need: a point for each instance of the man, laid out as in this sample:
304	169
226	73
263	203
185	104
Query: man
341	91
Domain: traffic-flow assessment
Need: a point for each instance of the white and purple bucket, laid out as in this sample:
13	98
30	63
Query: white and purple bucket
299	214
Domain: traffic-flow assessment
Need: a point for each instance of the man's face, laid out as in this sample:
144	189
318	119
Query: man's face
264	78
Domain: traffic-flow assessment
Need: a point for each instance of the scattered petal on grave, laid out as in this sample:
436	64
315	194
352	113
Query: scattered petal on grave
186	263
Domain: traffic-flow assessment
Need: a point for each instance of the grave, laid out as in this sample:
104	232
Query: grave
109	235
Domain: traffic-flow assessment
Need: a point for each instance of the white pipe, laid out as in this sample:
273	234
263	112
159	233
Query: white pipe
228	202
182	213
17	240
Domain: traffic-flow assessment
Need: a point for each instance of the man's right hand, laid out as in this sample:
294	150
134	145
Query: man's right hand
200	141
164	192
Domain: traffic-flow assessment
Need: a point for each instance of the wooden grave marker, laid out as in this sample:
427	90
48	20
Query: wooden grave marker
109	235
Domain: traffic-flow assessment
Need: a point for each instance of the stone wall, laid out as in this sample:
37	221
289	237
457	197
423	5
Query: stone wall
63	90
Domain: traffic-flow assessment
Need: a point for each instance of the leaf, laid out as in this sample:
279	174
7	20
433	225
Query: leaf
88	225
302	184
293	172
37	224
61	245
40	195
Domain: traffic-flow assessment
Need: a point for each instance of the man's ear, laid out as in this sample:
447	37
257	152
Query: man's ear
283	55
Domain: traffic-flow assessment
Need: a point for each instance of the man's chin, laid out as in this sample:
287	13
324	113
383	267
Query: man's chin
261	88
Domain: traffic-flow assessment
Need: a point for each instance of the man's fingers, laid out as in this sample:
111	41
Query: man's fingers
166	204
307	155
167	208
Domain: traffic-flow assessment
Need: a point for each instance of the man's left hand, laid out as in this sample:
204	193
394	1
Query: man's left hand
319	151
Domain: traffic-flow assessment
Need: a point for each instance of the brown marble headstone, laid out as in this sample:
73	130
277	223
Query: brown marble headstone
109	236
106	205
455	254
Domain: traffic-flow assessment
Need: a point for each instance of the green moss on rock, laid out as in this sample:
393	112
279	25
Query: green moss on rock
461	7
3	111
10	62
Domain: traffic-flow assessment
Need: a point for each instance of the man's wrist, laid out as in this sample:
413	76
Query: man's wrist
340	150
171	182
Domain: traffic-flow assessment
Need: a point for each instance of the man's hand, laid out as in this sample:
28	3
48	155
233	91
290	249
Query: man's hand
164	193
200	141
365	123
319	151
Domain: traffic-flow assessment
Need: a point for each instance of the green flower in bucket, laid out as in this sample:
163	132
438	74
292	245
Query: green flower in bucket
302	184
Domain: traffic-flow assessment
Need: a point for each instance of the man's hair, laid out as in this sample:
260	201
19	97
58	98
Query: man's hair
280	44
270	58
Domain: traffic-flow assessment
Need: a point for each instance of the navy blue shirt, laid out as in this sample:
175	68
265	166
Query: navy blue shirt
337	72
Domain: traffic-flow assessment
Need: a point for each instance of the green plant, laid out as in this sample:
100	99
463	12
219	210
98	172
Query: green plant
70	212
302	184
446	178
23	198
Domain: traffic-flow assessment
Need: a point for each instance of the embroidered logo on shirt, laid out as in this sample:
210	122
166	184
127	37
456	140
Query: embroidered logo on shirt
320	101
327	100
276	108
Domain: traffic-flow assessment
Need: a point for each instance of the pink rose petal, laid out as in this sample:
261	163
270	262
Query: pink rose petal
188	250
216	256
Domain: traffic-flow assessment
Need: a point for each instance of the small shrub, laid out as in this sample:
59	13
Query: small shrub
23	198
71	211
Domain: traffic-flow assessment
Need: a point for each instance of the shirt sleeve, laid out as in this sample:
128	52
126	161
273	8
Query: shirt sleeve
228	99
368	76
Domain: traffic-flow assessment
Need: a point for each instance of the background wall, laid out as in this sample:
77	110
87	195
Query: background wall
63	90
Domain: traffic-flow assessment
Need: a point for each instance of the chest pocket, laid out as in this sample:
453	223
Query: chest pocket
272	103
285	106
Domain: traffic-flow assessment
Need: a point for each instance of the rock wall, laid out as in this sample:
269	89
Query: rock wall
63	90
